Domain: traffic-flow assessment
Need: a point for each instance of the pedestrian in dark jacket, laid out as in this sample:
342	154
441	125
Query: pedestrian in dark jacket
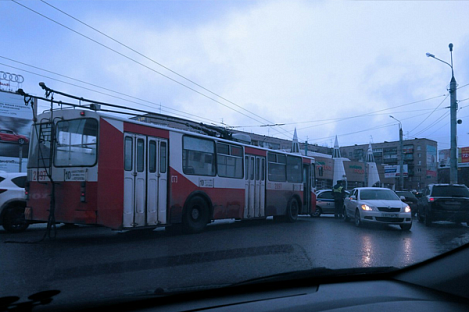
339	195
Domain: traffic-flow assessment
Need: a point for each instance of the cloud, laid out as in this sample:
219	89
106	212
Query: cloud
307	64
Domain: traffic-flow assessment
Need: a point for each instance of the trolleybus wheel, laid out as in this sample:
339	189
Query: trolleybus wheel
195	217
292	210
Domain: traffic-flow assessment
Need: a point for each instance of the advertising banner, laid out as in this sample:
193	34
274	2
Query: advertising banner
393	171
463	160
16	119
463	157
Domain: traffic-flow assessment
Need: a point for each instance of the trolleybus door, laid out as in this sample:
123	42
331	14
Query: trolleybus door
157	181
307	187
134	180
254	187
260	182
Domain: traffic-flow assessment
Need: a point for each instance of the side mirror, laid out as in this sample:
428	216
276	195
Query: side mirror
402	198
353	197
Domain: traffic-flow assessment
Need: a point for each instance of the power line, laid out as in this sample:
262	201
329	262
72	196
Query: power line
99	92
149	68
433	124
151	60
375	112
430	113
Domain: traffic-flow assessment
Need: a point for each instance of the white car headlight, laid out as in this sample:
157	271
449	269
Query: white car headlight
407	208
366	207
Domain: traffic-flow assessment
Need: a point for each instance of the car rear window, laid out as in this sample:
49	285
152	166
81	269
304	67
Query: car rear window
19	181
406	194
326	195
450	190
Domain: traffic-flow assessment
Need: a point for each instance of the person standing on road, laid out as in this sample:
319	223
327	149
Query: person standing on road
339	195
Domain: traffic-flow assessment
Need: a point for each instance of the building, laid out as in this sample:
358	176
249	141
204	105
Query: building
419	157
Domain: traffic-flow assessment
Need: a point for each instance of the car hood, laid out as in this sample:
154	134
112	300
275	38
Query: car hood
384	203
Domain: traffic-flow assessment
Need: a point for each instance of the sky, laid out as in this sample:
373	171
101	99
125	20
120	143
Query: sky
326	68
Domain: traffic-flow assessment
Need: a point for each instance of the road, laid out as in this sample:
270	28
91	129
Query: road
96	262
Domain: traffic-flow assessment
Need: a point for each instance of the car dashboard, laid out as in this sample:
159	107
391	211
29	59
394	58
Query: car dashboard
438	284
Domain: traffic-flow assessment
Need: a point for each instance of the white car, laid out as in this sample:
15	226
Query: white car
377	205
12	201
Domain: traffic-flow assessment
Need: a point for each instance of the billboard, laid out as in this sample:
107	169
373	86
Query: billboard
463	157
393	171
16	119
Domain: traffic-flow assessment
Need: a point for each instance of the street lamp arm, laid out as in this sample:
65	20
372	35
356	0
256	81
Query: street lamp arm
400	123
433	56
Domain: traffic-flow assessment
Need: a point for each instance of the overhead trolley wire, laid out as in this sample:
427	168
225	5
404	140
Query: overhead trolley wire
99	92
430	114
151	69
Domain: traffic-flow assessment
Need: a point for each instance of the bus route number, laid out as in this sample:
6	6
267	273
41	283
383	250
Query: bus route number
39	175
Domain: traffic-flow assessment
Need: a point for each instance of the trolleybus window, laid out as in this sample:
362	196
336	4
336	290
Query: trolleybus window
40	146
128	154
140	155
163	157
76	142
229	161
294	168
277	167
152	160
198	156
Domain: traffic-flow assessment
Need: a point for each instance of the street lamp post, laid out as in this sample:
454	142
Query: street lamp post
401	159
453	168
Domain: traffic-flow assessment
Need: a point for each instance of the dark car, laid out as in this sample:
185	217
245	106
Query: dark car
410	199
8	135
444	202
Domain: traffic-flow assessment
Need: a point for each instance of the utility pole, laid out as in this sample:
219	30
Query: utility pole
453	167
401	159
401	153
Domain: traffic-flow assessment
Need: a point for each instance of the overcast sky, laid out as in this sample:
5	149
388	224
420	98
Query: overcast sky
326	68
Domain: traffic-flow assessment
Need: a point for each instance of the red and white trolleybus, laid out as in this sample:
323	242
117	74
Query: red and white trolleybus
88	167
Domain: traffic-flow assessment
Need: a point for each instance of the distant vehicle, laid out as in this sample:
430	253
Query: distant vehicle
410	199
12	201
8	135
444	202
325	202
377	205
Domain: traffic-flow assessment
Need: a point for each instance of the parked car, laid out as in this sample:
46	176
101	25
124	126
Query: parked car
444	202
12	201
325	202
377	205
8	135
410	199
